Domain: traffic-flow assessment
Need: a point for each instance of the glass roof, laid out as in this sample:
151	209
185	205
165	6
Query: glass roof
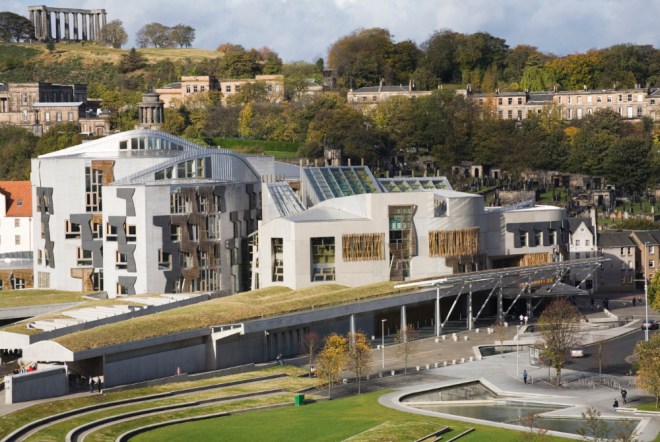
335	182
409	184
286	201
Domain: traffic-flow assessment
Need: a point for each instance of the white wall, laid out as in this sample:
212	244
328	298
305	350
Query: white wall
9	231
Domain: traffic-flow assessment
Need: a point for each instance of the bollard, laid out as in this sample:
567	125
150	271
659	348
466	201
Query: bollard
428	366
443	337
418	368
462	360
455	338
453	362
465	338
345	381
477	330
445	363
380	375
437	340
506	324
378	347
373	337
471	358
392	372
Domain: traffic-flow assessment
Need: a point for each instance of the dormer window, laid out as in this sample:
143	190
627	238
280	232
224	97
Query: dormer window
19	203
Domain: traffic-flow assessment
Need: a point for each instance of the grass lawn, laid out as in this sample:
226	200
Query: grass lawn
547	197
22	298
637	208
58	432
326	421
17	419
232	309
646	407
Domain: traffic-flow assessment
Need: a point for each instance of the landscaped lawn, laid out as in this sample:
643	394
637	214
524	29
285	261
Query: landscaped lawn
22	298
335	420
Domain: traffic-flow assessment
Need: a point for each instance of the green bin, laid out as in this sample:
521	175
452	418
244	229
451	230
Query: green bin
300	399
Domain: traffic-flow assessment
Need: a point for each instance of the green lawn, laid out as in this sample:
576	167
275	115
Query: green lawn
637	208
325	421
22	298
547	197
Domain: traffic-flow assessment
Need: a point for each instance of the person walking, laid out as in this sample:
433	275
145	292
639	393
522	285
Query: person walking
91	384
522	318
98	383
615	405
634	301
624	393
313	371
592	303
526	319
525	376
279	360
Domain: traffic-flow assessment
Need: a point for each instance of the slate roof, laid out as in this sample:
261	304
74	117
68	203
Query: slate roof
368	89
648	236
616	238
574	224
18	196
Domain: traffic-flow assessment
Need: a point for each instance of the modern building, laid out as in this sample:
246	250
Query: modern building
185	91
15	216
582	243
352	229
145	212
39	106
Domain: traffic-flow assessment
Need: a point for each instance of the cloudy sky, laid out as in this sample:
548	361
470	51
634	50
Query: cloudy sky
303	29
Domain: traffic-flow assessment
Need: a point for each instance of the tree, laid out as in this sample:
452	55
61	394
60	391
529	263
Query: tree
560	330
15	27
239	63
222	121
297	78
648	366
332	360
133	60
638	224
599	353
17	145
594	427
628	164
153	34
653	292
535	431
182	35
501	333
359	356
309	345
113	34
250	92
50	46
310	150
406	344
358	58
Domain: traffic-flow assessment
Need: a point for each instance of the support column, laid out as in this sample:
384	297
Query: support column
438	322
32	21
84	26
66	26
76	33
97	29
469	310
49	31
530	310
500	304
38	25
58	34
404	323
103	14
162	115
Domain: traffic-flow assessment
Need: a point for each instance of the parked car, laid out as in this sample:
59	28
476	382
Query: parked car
650	324
577	352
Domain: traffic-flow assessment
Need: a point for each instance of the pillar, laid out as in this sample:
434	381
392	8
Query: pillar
84	26
352	327
32	20
57	26
38	25
530	310
76	34
469	309
103	14
66	26
500	305
438	322
141	116
162	115
97	29
49	31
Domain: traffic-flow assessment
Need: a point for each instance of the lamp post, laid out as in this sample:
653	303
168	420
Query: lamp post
517	347
383	336
646	292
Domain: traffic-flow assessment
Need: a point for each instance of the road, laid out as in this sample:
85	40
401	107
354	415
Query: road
614	355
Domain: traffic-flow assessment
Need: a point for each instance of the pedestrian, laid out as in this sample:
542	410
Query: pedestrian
313	371
522	318
91	384
178	370
615	405
592	303
634	301
526	319
15	370
279	360
98	383
525	376
624	393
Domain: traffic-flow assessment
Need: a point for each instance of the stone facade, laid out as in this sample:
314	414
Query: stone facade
39	106
92	23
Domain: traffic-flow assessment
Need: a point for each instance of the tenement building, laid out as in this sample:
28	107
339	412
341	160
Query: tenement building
91	23
186	91
144	212
39	106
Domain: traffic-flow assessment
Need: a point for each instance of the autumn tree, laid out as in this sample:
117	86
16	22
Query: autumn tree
113	34
560	330
310	344
534	430
359	356
332	360
648	365
297	78
15	27
406	343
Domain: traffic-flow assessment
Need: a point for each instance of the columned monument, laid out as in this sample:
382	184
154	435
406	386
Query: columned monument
151	111
41	18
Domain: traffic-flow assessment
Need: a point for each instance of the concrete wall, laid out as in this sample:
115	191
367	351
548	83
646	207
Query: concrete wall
41	384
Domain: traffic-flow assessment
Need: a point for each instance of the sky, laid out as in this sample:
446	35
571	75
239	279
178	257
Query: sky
304	29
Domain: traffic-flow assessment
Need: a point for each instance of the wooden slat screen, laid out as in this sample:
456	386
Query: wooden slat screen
454	242
363	247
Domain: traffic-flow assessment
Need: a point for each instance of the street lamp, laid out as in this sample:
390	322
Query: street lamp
646	292
517	347
383	336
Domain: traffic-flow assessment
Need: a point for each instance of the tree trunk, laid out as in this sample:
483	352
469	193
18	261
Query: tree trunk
359	384
558	376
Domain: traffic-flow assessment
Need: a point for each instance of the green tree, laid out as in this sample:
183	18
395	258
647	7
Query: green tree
576	70
133	60
653	289
355	61
297	78
440	50
15	27
17	145
648	365
175	121
182	35
113	34
638	224
153	35
560	330
250	92
628	164
310	150
50	46
239	64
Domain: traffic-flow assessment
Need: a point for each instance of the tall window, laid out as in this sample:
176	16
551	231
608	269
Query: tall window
70	116
523	239
537	237
84	257
25	115
93	184
323	259
59	116
278	259
17	222
551	237
18	240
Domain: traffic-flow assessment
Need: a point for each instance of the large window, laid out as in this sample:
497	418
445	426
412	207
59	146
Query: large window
213	227
121	261
93	185
278	259
523	239
72	230
164	260
323	259
84	258
44	280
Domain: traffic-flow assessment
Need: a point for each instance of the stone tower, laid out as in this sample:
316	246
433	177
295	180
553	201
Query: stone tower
151	111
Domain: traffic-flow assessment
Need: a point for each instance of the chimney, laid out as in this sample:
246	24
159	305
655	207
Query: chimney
584	87
316	162
410	85
349	162
615	86
362	161
387	174
637	86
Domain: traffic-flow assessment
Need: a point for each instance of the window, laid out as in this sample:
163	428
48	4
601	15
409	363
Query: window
510	101
25	115
552	237
59	116
84	257
620	111
569	98
228	88
164	260
630	97
609	98
537	238
201	88
579	99
630	279
47	116
579	114
630	251
640	97
237	88
623	266
639	111
499	113
121	261
589	111
520	101
187	89
39	257
588	98
630	265
193	232
122	289
111	232
175	233
195	88
24	95
44	280
374	98
17	222
499	101
577	243
651	250
131	233
558	100
71	230
652	101
620	98
270	88
213	227
510	114
93	184
586	242
623	280
569	114
123	145
520	114
523	239
70	116
278	261
577	256
323	259
599	99
651	263
18	240
97	230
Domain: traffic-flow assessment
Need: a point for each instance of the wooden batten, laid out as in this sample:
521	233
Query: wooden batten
454	242
363	247
107	167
